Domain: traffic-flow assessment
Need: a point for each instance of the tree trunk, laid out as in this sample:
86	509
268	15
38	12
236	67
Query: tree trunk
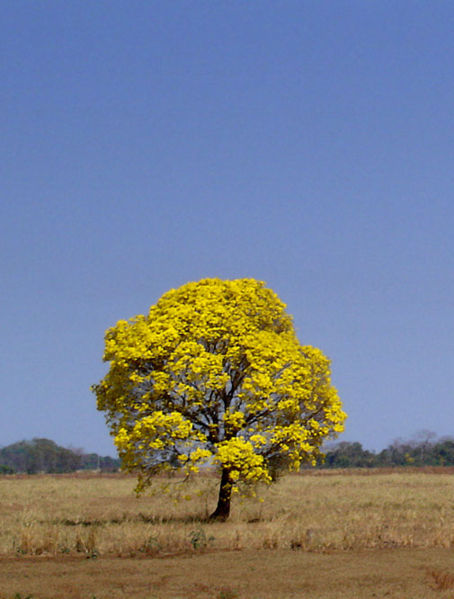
222	510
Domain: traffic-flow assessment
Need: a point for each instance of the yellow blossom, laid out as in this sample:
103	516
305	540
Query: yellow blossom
214	374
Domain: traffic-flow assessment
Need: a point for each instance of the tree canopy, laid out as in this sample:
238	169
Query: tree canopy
215	374
44	455
416	452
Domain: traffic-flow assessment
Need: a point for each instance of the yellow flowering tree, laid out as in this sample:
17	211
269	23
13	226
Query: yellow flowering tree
215	374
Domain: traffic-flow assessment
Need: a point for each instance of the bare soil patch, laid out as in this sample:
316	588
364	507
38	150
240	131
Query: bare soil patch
279	574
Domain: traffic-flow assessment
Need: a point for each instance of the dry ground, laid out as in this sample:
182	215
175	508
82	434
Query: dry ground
316	535
265	574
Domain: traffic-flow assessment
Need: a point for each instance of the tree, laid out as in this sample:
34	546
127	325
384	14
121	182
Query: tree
39	455
349	455
215	375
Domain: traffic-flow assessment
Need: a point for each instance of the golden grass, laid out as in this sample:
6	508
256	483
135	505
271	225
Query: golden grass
316	511
323	535
442	580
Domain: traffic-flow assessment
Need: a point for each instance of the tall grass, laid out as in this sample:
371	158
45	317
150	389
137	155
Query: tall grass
314	511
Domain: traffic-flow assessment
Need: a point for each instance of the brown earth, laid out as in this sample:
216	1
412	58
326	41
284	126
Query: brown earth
279	574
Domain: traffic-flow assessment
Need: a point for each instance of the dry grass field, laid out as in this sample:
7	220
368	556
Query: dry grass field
316	535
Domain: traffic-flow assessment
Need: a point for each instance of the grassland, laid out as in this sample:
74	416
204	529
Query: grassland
320	534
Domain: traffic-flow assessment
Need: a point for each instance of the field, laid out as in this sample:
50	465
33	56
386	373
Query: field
318	535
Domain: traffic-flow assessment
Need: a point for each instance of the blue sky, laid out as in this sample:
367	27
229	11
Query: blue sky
307	144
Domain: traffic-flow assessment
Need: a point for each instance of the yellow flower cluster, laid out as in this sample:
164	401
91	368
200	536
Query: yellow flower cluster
239	457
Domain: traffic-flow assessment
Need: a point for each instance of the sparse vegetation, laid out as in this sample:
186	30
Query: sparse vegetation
342	523
317	511
442	580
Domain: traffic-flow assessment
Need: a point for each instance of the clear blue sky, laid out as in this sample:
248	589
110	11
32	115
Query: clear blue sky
308	144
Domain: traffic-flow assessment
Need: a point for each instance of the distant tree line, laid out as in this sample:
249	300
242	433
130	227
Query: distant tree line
422	451
43	455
